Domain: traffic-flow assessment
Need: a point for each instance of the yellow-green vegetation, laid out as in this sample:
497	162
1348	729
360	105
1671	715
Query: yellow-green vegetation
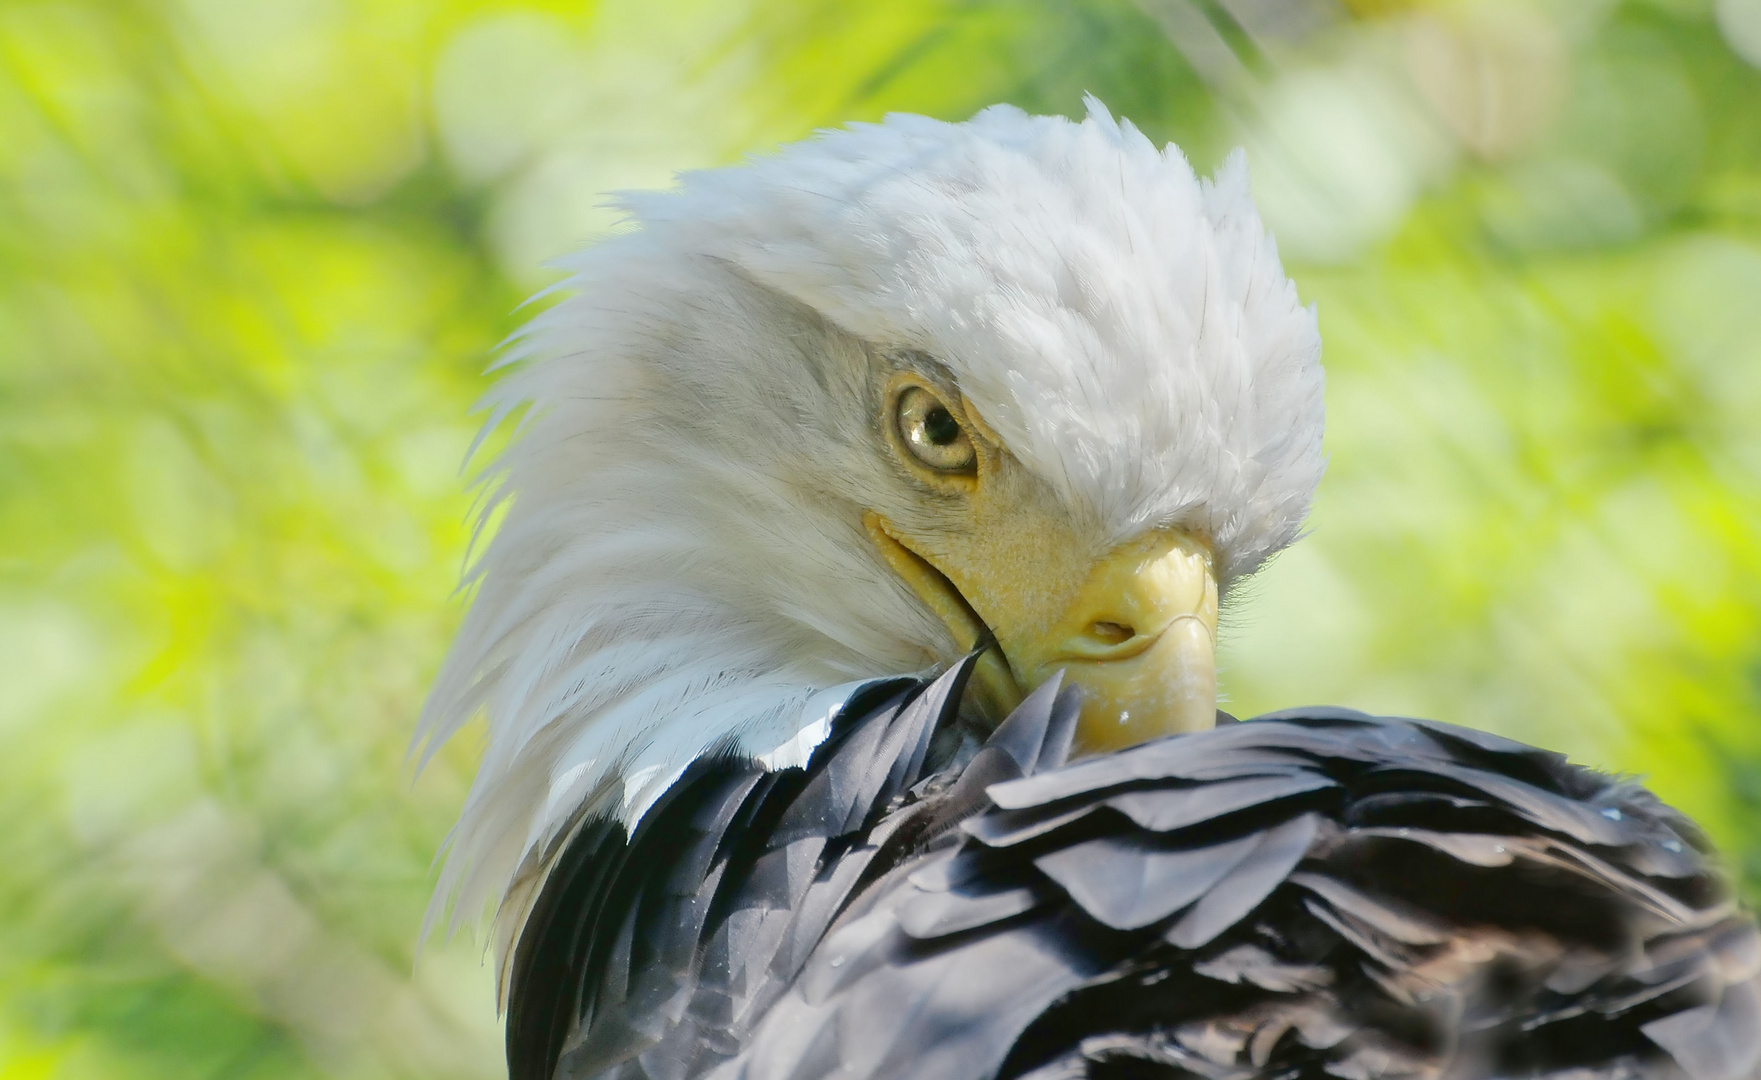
255	256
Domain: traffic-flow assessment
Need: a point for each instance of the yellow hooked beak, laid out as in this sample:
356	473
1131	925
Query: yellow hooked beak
1137	634
1134	627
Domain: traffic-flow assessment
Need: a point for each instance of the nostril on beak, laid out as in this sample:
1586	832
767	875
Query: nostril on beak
1111	633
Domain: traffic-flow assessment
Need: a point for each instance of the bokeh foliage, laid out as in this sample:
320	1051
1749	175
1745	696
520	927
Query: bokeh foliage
256	254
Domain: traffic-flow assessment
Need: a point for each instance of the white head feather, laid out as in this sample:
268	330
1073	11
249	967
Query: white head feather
682	562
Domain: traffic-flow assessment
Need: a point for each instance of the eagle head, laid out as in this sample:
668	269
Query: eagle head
891	395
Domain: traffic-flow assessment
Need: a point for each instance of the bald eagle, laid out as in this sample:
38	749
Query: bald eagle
846	645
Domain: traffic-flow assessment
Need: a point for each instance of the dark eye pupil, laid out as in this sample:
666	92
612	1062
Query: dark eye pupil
940	426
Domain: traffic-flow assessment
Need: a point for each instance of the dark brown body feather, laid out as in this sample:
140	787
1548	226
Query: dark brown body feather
1317	893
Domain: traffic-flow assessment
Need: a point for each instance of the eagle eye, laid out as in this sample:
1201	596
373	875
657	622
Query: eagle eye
931	434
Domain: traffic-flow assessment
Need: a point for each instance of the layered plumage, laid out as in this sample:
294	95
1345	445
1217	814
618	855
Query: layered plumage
1318	893
732	829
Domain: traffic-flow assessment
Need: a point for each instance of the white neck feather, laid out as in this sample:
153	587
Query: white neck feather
681	564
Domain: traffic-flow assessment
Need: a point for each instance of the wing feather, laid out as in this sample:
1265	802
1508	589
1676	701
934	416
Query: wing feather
1317	893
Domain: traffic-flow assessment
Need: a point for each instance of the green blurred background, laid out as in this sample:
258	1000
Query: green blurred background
256	254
